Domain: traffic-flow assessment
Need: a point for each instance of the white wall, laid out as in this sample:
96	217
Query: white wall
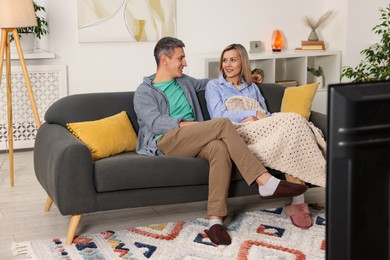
354	26
363	16
204	26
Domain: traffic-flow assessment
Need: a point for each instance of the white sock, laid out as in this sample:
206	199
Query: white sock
214	221
269	187
298	199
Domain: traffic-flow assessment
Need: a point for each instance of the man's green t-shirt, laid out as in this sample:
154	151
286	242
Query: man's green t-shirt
178	103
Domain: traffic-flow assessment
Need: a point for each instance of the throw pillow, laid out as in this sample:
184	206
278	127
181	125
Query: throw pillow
107	136
299	99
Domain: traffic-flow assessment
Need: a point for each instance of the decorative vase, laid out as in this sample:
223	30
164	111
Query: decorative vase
313	36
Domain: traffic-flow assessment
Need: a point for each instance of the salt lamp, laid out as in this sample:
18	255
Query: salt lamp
277	40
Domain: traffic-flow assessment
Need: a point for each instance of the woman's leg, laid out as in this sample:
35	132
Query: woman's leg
298	210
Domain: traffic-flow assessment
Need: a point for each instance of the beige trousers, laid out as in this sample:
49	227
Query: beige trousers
218	142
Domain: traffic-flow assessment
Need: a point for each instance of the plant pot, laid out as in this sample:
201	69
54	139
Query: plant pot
320	79
27	41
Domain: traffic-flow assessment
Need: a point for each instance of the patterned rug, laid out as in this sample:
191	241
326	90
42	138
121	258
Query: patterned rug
265	234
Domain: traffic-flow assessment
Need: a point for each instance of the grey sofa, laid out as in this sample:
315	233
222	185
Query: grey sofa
77	184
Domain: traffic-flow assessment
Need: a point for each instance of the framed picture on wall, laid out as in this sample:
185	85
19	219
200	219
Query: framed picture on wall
126	20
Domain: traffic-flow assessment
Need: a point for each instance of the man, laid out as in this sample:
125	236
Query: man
171	123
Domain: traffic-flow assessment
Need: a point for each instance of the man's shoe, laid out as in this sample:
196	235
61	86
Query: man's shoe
287	189
218	235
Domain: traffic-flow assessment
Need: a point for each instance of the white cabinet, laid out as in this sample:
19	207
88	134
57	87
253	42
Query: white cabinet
49	83
290	65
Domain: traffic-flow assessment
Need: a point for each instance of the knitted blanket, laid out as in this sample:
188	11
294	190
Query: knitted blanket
286	142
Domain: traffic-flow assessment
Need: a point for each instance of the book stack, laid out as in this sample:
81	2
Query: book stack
311	46
287	83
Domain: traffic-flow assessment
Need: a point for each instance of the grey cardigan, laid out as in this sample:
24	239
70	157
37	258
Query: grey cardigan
152	109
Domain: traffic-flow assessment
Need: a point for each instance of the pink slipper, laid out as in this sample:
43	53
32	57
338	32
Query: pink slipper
299	215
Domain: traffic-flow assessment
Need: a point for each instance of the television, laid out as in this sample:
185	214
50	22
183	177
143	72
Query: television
358	171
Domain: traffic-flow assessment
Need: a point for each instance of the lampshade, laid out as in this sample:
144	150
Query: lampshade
17	13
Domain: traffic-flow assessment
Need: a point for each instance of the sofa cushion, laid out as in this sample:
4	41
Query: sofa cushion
134	171
273	94
91	106
203	105
299	99
107	136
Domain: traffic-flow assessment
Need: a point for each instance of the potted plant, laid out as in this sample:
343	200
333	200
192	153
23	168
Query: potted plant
376	63
316	72
318	75
28	35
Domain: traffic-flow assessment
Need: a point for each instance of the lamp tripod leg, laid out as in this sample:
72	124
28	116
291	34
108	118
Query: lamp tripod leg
26	78
2	49
9	109
5	49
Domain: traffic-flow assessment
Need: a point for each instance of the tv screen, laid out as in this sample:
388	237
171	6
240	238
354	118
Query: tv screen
358	170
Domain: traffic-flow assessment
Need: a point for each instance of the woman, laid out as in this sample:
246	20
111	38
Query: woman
235	96
236	80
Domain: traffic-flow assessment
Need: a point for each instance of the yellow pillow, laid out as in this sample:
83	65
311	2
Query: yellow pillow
299	99
107	136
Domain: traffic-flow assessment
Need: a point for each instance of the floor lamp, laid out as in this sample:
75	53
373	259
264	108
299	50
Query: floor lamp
14	14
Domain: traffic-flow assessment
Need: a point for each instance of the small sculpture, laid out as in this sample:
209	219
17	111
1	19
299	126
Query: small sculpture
314	25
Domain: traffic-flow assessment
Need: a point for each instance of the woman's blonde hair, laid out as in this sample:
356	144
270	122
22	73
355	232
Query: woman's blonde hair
246	73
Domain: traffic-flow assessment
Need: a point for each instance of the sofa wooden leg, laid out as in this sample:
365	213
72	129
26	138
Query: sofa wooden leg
74	222
48	204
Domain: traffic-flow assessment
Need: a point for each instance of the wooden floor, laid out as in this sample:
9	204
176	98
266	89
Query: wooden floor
22	217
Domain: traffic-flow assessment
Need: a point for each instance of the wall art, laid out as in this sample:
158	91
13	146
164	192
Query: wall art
126	20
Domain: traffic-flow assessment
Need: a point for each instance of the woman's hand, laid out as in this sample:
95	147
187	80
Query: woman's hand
260	115
249	119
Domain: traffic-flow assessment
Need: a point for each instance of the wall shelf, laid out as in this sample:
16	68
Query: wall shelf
37	54
290	65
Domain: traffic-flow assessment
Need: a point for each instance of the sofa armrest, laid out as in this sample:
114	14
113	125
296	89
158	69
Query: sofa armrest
320	121
64	167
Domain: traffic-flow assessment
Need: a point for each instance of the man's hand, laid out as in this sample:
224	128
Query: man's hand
185	123
256	78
